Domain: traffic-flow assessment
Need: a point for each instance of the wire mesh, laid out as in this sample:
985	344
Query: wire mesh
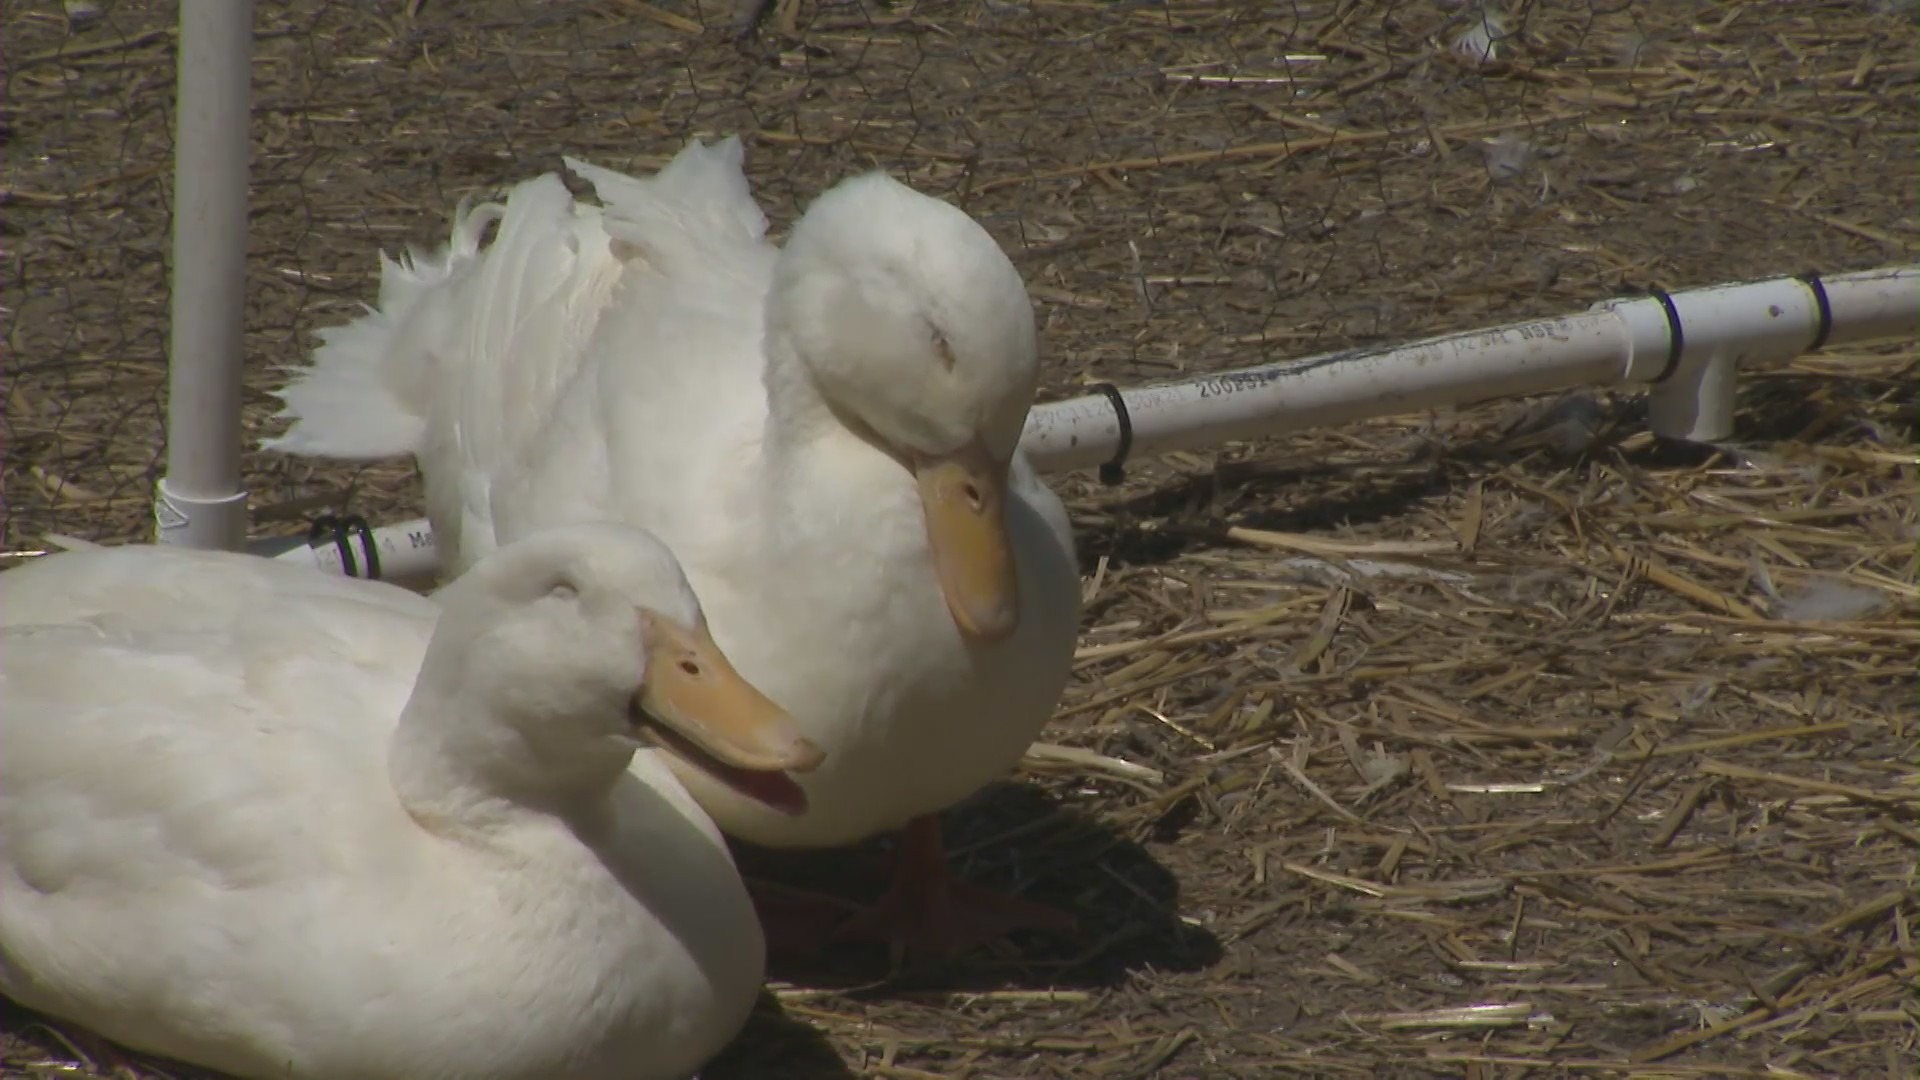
1187	186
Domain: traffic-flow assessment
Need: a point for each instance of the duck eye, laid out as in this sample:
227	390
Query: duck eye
689	667
562	590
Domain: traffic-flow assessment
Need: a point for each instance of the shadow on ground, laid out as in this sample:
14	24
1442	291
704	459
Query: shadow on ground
775	1044
1016	837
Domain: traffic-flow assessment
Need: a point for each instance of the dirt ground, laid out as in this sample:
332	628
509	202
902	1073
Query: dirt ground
1493	742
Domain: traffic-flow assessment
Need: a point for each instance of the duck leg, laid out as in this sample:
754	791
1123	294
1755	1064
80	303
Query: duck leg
796	922
929	910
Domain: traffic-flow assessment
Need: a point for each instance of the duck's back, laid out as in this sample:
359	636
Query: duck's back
174	798
532	376
662	420
140	587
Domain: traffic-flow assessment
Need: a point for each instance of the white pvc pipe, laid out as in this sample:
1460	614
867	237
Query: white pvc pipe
1761	323
199	503
403	553
1615	341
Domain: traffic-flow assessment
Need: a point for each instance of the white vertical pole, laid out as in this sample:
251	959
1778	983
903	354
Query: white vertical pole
199	503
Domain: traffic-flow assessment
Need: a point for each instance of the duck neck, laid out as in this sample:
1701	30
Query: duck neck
458	774
798	415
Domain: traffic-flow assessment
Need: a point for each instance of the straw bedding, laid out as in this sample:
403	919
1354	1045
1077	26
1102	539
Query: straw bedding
1494	742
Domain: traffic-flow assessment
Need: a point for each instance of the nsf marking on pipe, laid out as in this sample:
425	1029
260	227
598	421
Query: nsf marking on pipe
1542	331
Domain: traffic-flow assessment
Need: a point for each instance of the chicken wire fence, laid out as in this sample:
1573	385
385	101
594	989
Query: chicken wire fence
1187	185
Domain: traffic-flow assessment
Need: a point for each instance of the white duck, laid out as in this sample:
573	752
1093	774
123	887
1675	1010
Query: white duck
826	435
286	825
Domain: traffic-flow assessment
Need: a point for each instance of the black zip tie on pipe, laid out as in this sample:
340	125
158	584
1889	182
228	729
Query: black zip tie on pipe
341	529
1811	279
1676	337
1116	470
